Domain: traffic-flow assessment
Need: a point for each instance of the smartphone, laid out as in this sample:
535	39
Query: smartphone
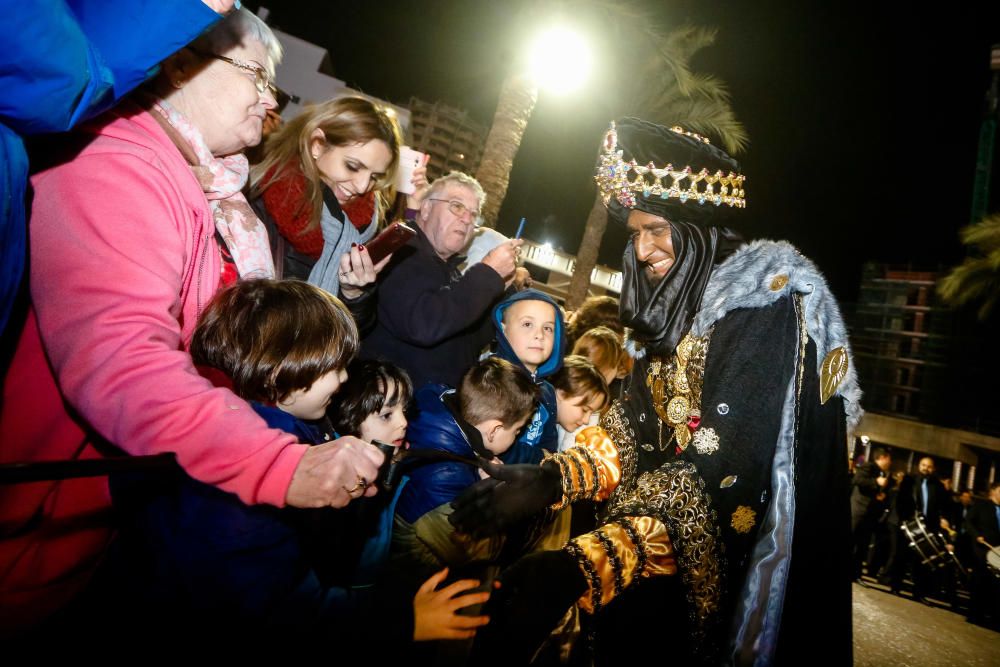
389	241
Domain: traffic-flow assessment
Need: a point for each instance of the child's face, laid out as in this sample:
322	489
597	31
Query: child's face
572	412
530	326
388	425
311	403
498	438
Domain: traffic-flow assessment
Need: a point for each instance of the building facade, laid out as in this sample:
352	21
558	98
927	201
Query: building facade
453	140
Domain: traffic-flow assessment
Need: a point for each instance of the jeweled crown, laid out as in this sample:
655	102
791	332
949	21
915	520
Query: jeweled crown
688	183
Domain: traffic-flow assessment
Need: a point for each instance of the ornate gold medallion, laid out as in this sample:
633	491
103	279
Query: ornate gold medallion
778	282
832	373
743	519
675	385
677	410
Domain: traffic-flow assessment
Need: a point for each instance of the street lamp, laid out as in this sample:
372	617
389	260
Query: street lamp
559	60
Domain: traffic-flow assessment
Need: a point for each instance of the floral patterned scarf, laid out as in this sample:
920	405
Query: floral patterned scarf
222	181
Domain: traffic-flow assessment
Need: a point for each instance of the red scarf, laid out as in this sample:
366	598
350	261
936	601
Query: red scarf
283	199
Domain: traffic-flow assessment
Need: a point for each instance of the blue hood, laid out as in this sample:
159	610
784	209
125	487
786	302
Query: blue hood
505	351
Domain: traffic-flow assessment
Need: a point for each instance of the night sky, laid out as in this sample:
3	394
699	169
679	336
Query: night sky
864	121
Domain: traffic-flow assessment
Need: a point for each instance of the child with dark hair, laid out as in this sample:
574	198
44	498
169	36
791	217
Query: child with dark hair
478	421
284	346
581	393
200	558
372	403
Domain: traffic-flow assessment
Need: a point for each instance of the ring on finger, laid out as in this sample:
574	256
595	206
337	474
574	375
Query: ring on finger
361	485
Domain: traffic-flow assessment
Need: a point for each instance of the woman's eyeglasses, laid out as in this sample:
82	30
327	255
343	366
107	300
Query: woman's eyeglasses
262	80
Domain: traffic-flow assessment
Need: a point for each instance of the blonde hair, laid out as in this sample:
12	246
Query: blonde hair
343	121
604	347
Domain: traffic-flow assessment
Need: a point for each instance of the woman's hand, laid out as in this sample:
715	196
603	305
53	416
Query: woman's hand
420	186
335	473
357	271
434	611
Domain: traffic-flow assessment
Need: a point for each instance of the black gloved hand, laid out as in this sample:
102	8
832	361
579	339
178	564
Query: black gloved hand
534	594
512	493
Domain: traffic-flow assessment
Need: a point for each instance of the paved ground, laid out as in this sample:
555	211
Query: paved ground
892	630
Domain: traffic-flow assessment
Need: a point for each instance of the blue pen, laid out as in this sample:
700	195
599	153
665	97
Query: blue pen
520	228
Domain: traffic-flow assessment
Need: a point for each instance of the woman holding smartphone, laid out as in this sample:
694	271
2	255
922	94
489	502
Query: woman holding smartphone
322	190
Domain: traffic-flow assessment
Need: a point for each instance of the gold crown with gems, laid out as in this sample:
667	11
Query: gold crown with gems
688	184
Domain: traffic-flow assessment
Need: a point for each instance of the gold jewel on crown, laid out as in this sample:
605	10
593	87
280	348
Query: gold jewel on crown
687	184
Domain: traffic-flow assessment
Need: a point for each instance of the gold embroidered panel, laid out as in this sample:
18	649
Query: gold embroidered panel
615	423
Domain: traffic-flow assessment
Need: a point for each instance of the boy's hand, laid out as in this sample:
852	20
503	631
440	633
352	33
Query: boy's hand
335	473
512	493
435	611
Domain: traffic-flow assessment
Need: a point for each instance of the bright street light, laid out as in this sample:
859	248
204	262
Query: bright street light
559	60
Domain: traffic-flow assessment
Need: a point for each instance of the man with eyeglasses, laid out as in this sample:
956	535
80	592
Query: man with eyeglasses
433	320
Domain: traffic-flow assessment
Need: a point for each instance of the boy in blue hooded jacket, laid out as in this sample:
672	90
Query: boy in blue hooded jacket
530	334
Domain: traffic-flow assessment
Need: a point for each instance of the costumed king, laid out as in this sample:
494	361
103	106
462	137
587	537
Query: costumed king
725	534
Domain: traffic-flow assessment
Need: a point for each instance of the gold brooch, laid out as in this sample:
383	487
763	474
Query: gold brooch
743	519
832	373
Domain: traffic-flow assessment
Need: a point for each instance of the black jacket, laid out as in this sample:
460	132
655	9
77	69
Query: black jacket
864	492
981	521
909	501
432	320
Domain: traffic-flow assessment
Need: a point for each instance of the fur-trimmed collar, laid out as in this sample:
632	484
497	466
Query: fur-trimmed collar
750	278
745	279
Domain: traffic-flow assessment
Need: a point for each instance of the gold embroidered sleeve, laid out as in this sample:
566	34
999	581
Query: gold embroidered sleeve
676	496
617	554
591	469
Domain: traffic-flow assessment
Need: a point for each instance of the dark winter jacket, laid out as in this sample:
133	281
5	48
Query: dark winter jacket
432	320
435	427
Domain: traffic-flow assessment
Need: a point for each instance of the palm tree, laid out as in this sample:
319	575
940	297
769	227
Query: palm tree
697	102
517	100
977	278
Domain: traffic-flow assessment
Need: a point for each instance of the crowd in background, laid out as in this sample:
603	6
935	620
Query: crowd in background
916	528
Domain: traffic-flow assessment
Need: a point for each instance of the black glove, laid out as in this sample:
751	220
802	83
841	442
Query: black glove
534	594
512	493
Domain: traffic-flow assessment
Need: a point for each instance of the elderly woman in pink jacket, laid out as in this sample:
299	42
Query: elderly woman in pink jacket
131	235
